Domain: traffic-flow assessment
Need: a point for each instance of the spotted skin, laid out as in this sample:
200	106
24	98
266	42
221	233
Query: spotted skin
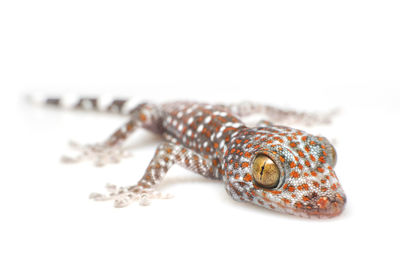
212	140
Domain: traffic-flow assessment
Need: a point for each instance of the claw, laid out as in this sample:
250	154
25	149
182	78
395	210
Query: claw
100	154
123	196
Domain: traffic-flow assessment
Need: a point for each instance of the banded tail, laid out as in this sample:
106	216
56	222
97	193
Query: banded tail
107	104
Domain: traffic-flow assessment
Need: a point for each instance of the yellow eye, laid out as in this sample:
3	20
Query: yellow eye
265	172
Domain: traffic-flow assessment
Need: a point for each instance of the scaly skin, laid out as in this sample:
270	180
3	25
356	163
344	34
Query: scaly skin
212	140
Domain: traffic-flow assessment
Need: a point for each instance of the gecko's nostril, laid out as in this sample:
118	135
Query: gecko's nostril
328	207
323	202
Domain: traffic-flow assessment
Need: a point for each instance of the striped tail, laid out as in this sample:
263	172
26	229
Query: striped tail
107	104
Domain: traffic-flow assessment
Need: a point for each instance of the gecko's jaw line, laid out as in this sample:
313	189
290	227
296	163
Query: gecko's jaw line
325	207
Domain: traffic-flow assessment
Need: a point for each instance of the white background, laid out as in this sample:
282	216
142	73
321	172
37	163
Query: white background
308	55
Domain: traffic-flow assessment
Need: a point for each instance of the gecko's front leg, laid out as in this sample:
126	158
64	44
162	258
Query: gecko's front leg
167	154
112	150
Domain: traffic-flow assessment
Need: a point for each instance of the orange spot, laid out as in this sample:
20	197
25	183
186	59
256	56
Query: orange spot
324	189
333	186
247	177
300	188
321	170
214	161
247	155
307	163
215	145
322	202
295	174
245	164
236	165
312	157
307	148
286	201
305	187
292	164
233	150
281	159
291	188
322	159
236	176
316	184
142	117
298	205
249	145
313	173
238	141
129	127
292	144
306	198
301	154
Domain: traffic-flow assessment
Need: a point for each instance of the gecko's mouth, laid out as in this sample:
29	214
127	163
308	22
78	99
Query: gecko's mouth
326	207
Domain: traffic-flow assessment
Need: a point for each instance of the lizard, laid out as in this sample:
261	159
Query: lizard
273	166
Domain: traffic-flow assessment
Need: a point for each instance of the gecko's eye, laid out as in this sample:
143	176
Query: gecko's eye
332	153
332	156
265	172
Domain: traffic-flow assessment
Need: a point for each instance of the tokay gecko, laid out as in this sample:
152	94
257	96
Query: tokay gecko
276	167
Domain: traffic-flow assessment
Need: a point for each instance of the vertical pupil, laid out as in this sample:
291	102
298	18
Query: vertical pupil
262	168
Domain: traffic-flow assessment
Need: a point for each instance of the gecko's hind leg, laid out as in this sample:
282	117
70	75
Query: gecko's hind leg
166	156
100	153
282	116
112	150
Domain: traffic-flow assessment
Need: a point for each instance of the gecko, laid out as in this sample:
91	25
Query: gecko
273	166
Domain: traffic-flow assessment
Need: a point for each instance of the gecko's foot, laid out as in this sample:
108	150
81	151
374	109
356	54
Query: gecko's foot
100	154
123	196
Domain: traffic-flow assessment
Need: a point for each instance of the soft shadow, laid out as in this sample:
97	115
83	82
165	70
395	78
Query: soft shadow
243	206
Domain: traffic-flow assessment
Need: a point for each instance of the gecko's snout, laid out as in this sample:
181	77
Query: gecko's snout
327	207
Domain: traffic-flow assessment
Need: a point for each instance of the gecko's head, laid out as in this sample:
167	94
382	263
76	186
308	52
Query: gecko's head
284	169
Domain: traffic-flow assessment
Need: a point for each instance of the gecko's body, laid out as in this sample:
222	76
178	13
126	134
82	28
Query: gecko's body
213	141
